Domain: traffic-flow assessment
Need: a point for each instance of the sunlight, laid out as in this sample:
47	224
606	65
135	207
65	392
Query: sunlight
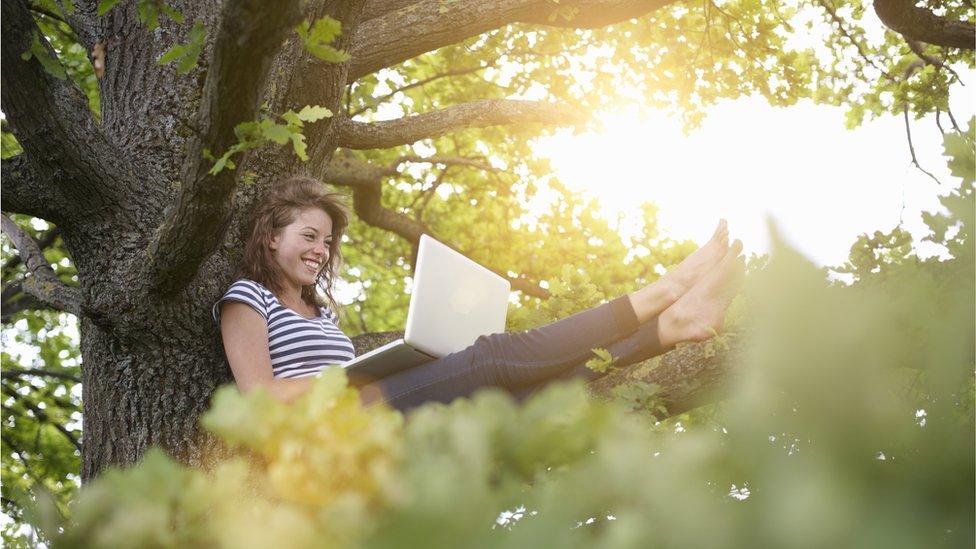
821	184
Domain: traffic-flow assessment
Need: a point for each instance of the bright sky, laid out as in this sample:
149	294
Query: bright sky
821	183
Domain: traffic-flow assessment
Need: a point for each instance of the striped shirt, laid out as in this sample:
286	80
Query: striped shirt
299	346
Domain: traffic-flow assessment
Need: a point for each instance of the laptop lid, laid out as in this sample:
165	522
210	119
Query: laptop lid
454	301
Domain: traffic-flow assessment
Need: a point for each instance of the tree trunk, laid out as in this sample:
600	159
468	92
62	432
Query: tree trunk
137	394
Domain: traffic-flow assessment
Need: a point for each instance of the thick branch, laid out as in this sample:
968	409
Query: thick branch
692	375
366	181
920	23
390	37
493	112
248	38
23	192
52	121
42	283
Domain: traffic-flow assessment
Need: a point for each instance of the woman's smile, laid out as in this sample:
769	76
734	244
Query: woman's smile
301	249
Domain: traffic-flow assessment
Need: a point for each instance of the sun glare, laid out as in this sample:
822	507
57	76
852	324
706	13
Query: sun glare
821	184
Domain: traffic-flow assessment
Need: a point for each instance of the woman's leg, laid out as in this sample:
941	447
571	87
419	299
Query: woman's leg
643	344
513	360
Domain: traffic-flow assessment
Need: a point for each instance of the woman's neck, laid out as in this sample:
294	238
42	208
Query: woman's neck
291	296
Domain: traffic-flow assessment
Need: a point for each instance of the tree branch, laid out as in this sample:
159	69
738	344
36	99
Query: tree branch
44	242
51	120
15	300
39	372
692	375
42	416
920	23
380	100
366	181
492	112
42	283
387	37
249	36
478	163
23	192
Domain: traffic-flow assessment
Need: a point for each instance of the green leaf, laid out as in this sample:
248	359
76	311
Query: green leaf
313	113
171	12
292	118
148	14
316	37
223	162
601	362
188	54
298	143
104	6
278	133
50	64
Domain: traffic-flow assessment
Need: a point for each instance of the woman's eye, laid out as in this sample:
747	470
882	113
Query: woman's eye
309	237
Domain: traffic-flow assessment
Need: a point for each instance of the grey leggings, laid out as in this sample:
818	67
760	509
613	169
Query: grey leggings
523	362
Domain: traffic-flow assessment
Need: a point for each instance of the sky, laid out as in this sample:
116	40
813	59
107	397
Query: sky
822	184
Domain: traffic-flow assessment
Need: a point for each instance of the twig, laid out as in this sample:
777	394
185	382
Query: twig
857	45
43	242
911	148
41	415
383	99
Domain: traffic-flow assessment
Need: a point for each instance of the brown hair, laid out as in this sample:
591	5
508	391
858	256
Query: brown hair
276	211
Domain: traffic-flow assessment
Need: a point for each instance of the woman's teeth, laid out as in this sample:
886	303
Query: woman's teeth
311	264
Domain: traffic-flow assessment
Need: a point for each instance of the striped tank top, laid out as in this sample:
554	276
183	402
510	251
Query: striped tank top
299	346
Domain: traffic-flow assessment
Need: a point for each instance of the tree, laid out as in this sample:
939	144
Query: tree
148	170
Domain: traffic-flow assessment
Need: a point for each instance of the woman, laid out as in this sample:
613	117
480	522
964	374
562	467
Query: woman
278	333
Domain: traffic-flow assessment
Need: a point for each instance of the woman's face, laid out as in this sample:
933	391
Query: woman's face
301	249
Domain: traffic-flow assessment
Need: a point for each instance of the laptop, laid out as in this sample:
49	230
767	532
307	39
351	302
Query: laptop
454	301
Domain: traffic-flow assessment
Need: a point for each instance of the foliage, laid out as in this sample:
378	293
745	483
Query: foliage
41	413
317	38
188	53
251	135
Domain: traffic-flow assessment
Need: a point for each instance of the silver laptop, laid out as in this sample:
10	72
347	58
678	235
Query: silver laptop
453	302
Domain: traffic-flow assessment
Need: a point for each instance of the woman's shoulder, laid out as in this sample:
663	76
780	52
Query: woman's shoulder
249	292
251	286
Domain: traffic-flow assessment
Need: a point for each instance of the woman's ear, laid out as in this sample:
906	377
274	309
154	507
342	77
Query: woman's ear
273	242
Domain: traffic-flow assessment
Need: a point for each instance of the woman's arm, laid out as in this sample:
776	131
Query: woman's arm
245	335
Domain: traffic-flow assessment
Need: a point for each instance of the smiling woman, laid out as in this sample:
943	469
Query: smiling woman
278	333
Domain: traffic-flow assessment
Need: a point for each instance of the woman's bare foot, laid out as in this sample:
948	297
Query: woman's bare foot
654	298
700	313
702	260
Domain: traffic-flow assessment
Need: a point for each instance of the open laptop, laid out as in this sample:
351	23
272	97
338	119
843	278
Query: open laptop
453	302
